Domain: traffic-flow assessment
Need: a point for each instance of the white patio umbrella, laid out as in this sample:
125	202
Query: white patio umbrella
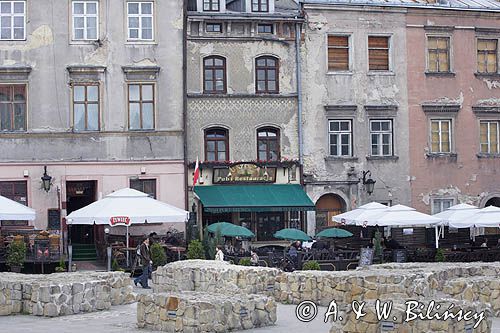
486	217
453	214
125	207
401	215
359	215
11	210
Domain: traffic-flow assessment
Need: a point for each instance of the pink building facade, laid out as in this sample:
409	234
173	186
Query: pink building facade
454	107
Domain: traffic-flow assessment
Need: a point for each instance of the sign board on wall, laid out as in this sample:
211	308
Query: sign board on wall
53	219
244	173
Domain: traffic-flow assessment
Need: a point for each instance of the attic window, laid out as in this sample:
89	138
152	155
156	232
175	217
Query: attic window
214	27
260	6
211	5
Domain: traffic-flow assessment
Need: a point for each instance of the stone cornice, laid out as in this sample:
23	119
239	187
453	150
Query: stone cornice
489	109
440	107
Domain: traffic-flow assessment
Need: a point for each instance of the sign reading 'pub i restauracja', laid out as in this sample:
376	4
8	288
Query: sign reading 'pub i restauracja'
244	173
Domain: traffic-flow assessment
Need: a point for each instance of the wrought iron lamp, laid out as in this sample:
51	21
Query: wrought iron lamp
368	183
46	179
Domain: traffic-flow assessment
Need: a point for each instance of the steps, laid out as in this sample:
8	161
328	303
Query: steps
84	252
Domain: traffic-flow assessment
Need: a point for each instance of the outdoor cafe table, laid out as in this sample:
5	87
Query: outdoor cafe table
177	249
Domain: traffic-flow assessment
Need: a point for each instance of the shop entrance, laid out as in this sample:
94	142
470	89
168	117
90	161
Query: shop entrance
327	207
78	195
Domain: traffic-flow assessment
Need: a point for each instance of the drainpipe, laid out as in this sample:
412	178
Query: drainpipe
299	93
184	101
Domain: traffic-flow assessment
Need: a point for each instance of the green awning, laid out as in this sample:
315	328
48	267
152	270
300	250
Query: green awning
253	198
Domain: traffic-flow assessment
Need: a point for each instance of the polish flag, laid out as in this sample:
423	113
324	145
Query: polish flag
196	173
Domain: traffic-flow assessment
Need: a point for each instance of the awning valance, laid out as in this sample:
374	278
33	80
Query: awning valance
253	198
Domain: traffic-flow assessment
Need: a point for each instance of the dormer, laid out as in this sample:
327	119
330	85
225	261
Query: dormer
259	6
211	6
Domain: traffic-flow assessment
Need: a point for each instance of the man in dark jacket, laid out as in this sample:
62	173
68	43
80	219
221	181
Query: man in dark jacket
145	261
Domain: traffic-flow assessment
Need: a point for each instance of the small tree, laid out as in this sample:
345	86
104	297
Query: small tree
16	254
195	250
62	265
158	255
311	265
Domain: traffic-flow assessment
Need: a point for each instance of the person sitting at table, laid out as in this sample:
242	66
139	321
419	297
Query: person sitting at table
297	245
392	244
485	242
170	239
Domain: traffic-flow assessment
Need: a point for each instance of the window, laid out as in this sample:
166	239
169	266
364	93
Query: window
266	75
489	137
214	71
268	144
381	137
441	135
216	144
487	53
438	49
265	28
147	186
214	27
340	133
439	205
85	20
140	20
13	107
17	191
12	20
141	101
338	53
86	107
260	5
211	5
378	53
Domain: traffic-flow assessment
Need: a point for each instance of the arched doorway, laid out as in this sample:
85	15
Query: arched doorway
328	206
493	202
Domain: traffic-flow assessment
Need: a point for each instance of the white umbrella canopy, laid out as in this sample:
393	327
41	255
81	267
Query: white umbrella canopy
486	217
359	215
456	213
401	215
11	210
127	206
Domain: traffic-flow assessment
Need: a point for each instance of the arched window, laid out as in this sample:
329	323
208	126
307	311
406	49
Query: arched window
266	75
214	75
216	144
268	144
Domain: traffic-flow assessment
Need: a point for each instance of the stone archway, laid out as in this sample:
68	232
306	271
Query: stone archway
495	201
327	206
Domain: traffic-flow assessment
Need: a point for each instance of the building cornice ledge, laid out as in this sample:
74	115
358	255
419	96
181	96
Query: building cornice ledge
440	107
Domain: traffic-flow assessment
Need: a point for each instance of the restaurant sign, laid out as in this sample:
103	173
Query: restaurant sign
244	173
115	220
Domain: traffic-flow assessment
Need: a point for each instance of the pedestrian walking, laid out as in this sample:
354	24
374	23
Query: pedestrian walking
145	261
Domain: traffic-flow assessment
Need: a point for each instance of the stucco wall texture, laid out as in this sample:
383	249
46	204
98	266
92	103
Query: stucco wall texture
464	177
358	87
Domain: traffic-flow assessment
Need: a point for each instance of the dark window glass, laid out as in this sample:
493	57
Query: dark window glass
147	186
216	144
13	107
265	28
268	144
214	27
266	75
214	69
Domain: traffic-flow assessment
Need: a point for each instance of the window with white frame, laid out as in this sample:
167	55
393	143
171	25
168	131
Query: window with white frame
441	135
489	137
441	204
85	20
211	5
381	137
340	137
140	21
12	20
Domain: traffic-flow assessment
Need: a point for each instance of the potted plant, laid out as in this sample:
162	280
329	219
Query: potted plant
16	255
62	266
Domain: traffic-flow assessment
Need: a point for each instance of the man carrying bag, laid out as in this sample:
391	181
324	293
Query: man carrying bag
145	262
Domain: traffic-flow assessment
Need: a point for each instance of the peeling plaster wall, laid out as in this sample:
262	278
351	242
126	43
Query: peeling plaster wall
466	177
49	50
360	88
242	111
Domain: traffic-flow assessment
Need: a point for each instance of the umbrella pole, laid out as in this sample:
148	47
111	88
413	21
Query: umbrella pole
127	247
437	236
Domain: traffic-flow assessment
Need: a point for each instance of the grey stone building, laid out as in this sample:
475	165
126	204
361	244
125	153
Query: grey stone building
91	89
242	113
355	107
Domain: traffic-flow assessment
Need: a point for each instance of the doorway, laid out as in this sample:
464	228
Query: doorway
78	195
327	207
